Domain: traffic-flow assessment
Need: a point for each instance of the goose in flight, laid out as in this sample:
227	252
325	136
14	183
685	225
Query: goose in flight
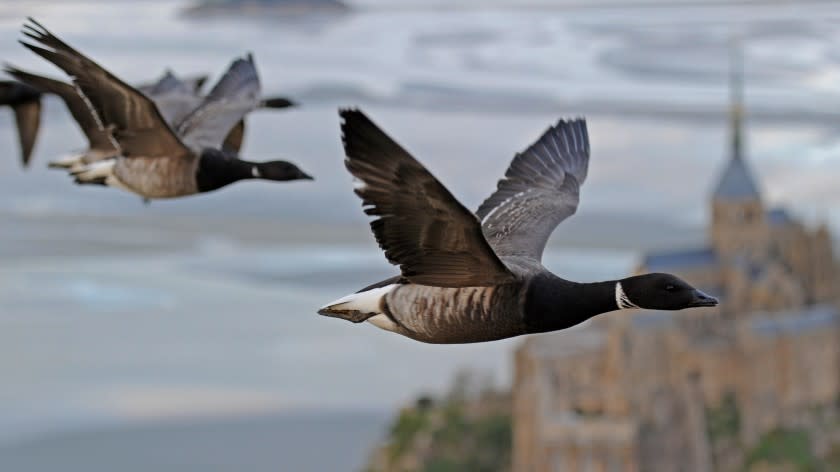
169	93
159	160
168	90
473	277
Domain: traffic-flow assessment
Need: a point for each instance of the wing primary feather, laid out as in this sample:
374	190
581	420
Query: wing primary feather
420	226
540	189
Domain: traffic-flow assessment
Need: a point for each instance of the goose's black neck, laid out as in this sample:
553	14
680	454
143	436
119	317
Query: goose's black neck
552	303
217	169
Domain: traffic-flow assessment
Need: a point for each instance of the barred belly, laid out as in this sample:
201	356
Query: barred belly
456	315
158	177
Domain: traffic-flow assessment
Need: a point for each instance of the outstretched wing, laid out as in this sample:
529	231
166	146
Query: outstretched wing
97	137
174	98
235	95
169	82
132	118
540	189
420	225
26	104
28	120
174	107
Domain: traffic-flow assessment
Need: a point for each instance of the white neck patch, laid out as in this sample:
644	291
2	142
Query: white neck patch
622	301
255	172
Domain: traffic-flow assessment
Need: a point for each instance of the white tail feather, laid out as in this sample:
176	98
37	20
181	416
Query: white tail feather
95	171
368	302
66	162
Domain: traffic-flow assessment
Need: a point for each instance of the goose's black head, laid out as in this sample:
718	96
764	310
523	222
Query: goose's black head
279	170
660	292
217	168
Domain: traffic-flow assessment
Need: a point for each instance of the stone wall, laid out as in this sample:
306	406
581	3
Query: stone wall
642	392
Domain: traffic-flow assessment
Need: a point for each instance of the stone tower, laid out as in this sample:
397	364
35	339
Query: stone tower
739	227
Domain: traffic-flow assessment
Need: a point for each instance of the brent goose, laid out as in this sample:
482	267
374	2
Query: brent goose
156	161
26	104
169	93
473	277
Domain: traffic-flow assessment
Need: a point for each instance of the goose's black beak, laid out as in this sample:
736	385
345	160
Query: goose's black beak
702	300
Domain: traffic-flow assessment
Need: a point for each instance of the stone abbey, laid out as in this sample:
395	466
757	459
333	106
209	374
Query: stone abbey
699	390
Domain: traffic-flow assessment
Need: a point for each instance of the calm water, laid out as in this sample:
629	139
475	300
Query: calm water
121	319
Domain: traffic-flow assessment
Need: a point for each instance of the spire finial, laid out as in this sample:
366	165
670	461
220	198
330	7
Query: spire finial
736	91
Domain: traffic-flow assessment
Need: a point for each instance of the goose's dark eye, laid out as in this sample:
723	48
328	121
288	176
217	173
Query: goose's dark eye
671	288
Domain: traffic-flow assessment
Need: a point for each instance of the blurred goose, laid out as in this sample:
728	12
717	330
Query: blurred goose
474	277
26	103
157	161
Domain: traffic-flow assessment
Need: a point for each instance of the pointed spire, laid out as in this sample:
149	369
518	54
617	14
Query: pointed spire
736	91
737	181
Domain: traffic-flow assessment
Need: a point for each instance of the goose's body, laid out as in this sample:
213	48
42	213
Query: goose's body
473	277
159	159
444	315
441	314
155	178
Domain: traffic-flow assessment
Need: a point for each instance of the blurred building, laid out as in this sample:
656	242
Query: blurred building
699	390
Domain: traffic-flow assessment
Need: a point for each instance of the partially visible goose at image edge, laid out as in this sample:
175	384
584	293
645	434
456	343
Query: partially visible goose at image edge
474	277
157	161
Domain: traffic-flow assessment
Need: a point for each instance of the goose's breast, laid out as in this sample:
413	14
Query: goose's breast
456	315
158	177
